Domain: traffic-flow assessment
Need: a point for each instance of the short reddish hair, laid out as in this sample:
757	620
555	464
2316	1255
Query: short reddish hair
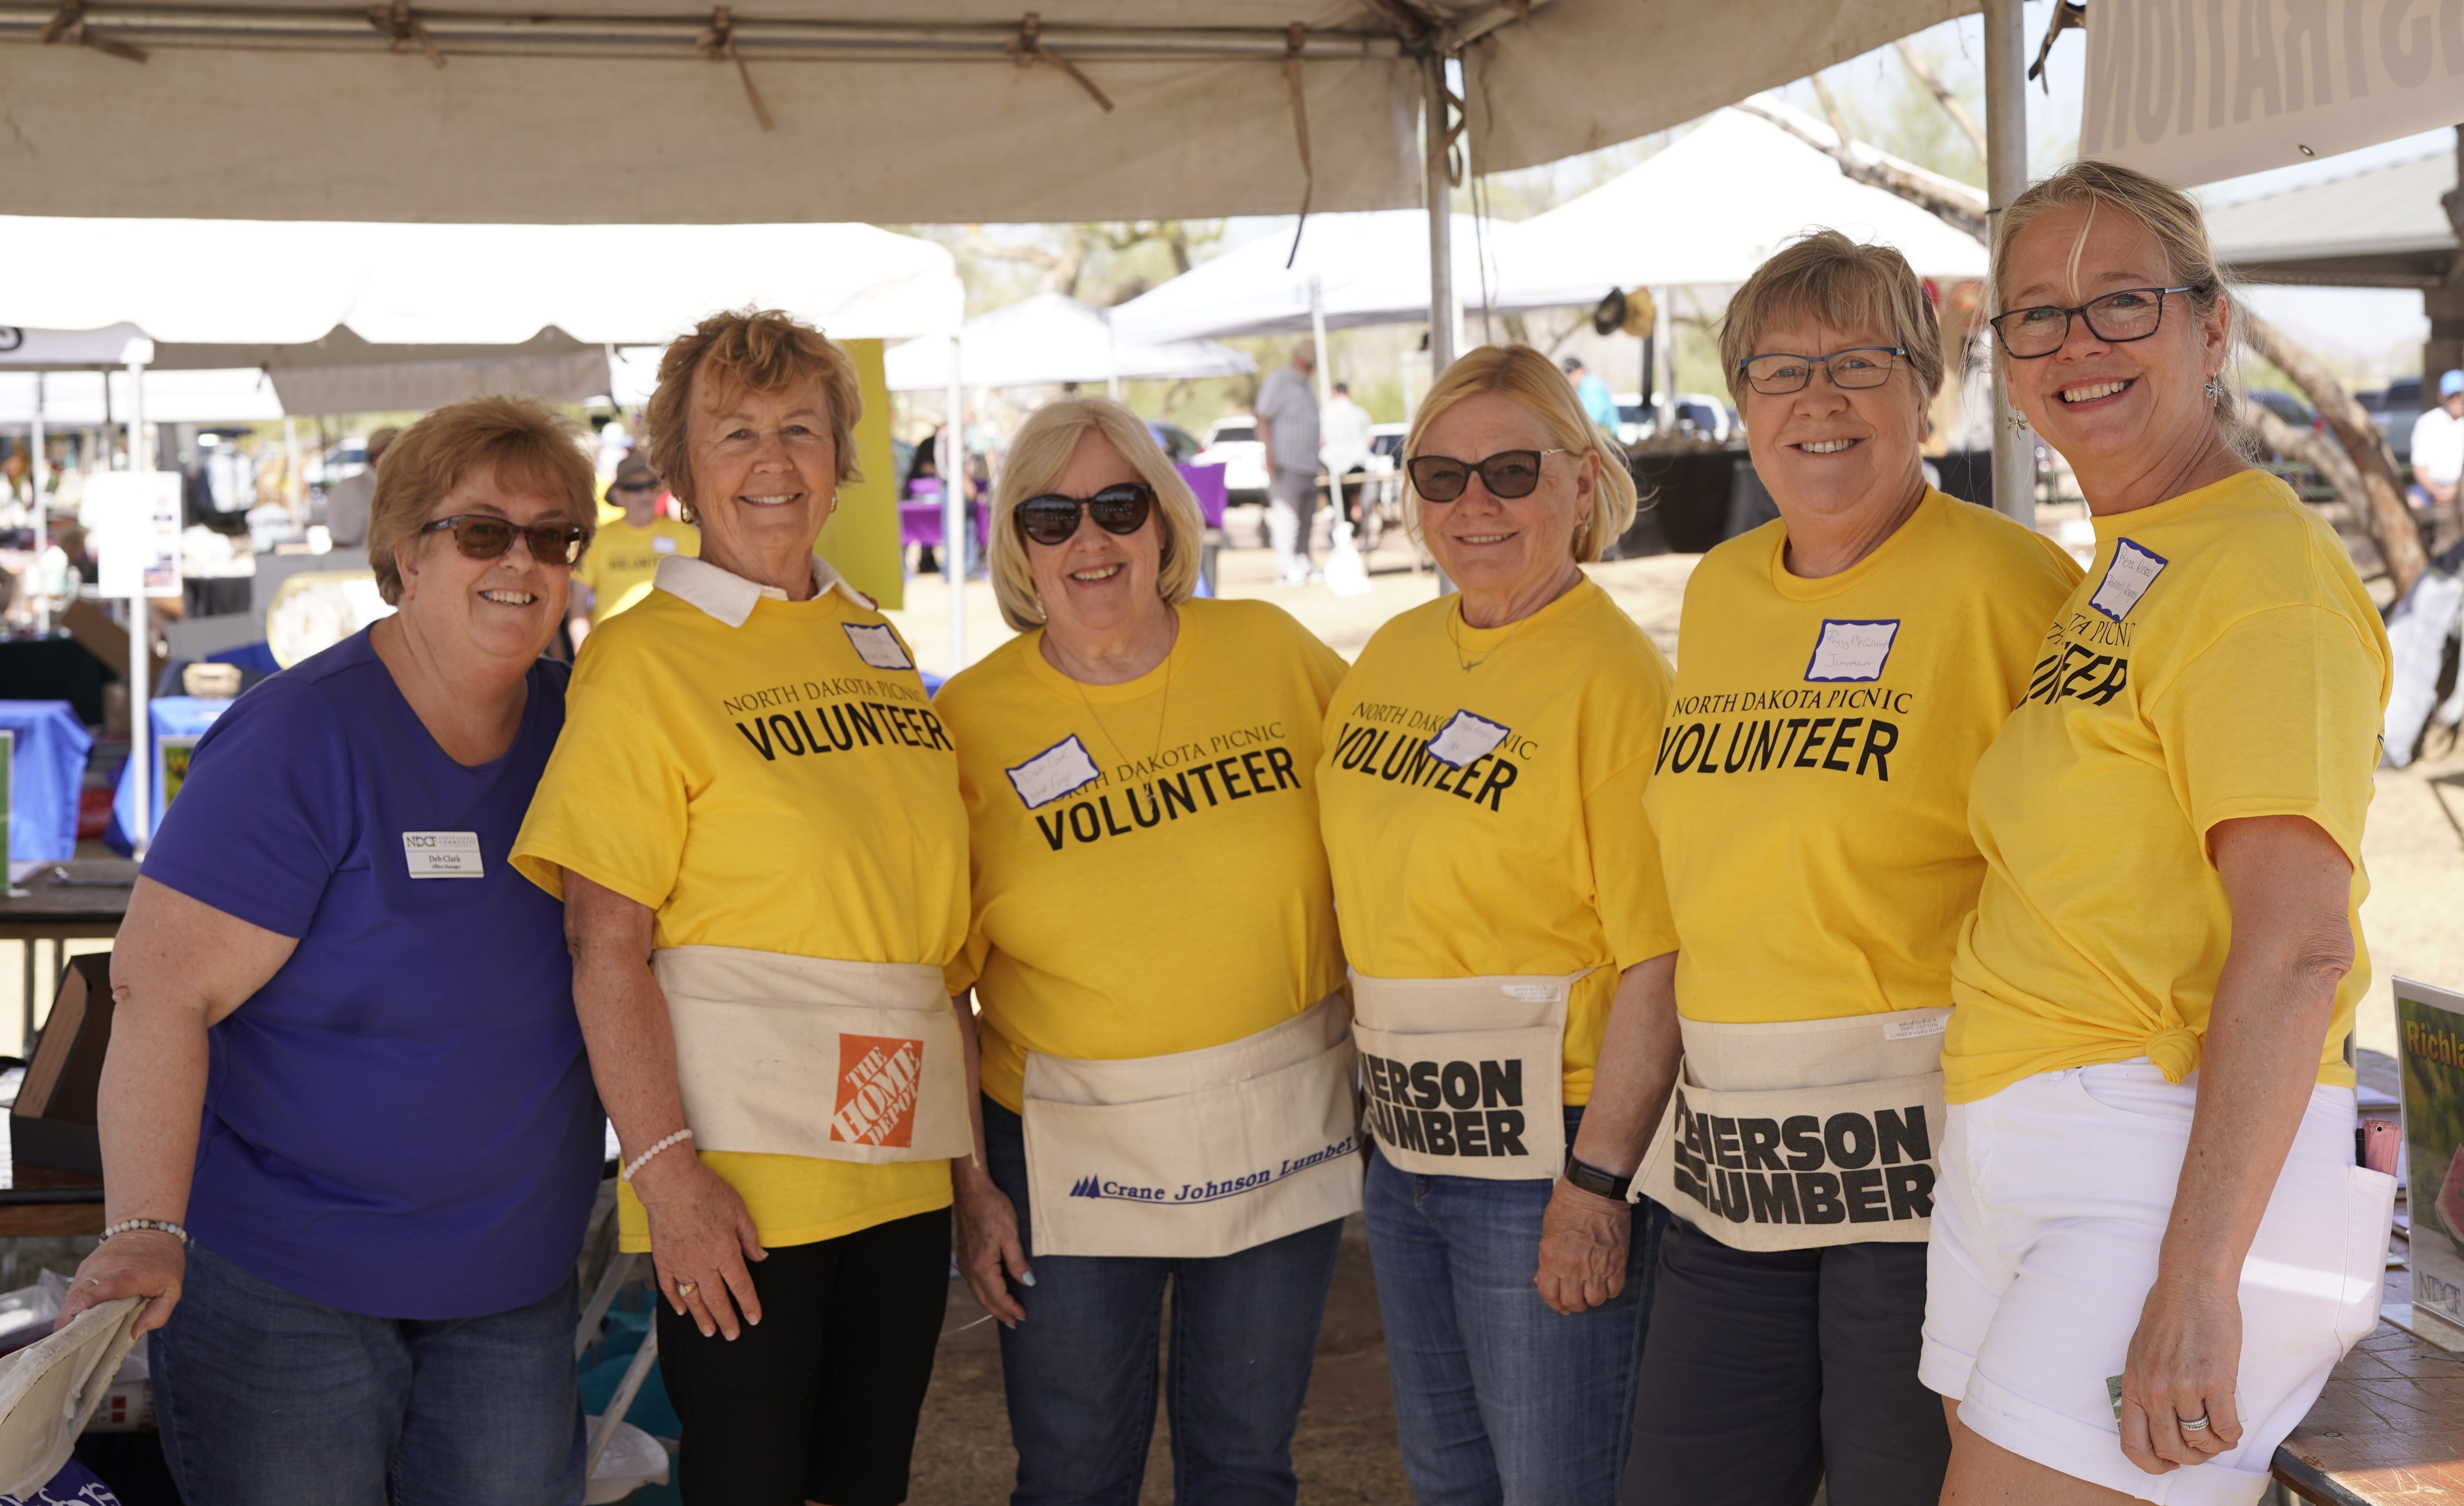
748	349
526	443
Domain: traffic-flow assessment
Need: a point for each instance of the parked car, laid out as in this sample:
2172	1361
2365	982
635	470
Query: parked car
2394	408
1179	446
1697	412
2284	406
1233	442
349	458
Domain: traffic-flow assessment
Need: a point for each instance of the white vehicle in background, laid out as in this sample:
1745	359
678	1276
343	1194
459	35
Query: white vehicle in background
1233	442
1700	413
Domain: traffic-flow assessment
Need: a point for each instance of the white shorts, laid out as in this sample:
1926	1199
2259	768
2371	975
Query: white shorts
2054	1197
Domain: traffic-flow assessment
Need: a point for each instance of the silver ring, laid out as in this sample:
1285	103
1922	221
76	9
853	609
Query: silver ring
2198	1424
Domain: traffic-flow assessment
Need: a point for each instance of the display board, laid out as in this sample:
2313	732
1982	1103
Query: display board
2429	1024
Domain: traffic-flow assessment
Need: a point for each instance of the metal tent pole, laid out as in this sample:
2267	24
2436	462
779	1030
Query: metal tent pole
1441	220
1317	336
140	636
2006	177
954	511
42	518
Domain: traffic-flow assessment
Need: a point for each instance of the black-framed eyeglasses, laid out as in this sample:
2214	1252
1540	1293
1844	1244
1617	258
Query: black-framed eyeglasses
1052	518
1778	373
1509	473
482	536
636	485
2116	318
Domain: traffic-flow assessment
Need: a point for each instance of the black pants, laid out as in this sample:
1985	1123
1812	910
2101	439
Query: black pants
1764	1373
820	1402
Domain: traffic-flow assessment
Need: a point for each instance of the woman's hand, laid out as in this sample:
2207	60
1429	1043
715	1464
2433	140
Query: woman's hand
2182	1363
700	1238
989	1252
1583	1246
143	1262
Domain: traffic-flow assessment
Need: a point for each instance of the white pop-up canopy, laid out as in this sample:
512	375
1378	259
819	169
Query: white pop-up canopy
362	317
1711	209
74	399
1048	339
1360	269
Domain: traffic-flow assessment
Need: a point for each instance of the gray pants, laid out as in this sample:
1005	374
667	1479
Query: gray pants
1291	504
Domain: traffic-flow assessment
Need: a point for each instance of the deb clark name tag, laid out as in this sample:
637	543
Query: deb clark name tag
1465	738
442	855
877	645
1853	652
1060	770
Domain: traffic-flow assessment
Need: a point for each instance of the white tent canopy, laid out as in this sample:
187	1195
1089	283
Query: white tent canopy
55	350
1711	209
583	111
1048	339
1367	268
359	317
73	398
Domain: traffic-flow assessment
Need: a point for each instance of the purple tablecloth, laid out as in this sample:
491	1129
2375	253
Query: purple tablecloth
1208	481
920	523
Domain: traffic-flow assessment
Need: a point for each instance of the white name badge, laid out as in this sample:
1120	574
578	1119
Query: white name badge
878	646
1465	738
1847	651
442	855
2134	569
662	544
1061	768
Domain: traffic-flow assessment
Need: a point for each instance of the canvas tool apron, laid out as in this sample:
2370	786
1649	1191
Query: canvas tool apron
1801	1133
791	1055
1198	1153
1465	1075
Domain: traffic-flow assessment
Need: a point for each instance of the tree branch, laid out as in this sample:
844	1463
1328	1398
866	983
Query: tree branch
2370	484
1950	102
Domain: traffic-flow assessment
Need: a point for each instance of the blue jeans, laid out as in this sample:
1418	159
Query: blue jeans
1498	1401
268	1398
1080	1371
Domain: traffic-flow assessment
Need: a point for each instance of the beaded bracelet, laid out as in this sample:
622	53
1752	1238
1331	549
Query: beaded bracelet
159	1225
644	1159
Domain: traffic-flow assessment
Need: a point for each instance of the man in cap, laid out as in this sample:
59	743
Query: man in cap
2438	447
615	572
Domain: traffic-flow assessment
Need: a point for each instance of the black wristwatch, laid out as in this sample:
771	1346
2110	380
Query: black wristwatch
1593	1180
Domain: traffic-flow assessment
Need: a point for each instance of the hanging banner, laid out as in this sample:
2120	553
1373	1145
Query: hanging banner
2191	91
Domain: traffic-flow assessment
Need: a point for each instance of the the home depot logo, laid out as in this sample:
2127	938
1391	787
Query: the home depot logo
878	1078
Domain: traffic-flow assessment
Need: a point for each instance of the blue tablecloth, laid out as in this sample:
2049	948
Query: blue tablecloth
173	716
44	777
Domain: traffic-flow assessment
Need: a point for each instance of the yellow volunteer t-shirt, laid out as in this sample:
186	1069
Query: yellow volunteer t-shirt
2221	660
622	558
1147	876
782	786
1534	858
1809	790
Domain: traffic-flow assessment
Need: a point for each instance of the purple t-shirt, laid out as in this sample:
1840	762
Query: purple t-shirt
401	1122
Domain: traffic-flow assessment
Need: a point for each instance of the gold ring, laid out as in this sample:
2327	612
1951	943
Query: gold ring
687	1288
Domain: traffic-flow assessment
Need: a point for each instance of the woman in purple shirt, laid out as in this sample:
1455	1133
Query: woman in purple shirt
349	1137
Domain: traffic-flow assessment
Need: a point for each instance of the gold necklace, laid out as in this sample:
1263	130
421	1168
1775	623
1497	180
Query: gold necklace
1163	712
1455	641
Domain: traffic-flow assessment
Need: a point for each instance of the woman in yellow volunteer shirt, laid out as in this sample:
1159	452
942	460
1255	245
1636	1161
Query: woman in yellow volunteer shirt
1840	672
1482	793
753	820
610	580
2150	1242
1167	1065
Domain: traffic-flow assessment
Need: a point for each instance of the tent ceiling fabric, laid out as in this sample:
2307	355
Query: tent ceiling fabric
885	110
1048	339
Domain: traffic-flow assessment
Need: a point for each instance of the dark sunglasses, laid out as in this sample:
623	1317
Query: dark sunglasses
1508	474
480	537
1052	518
636	485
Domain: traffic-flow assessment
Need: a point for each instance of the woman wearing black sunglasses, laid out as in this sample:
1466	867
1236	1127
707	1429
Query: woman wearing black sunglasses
1482	784
345	1055
1166	1070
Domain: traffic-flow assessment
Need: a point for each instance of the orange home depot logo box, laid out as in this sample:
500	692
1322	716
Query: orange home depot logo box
878	1078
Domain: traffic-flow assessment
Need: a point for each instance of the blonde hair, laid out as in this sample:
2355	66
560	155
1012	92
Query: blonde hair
527	445
1534	381
746	350
1037	457
2168	213
1847	285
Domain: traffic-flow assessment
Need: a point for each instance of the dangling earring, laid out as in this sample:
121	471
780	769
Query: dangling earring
2015	421
2216	389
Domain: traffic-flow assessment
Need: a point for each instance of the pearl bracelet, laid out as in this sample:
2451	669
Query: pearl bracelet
644	1159
159	1225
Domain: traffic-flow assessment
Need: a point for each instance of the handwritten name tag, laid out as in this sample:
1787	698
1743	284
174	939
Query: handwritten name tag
662	544
442	855
1061	768
2134	569
1851	652
877	645
1465	738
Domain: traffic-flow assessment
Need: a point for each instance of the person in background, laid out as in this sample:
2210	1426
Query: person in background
1482	799
344	1053
348	500
1598	404
1288	425
1344	448
1202	1020
752	820
1819	879
2151	1242
2438	447
625	556
926	465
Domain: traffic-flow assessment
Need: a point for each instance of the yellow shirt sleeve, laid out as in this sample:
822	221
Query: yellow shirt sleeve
611	806
1625	866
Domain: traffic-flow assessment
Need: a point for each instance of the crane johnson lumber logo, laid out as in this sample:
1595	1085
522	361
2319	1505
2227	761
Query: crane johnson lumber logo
1447	1108
1773	1171
1191	1193
878	1080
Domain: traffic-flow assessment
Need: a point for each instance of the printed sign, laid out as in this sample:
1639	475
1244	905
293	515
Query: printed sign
2429	1027
176	752
1465	738
1870	1166
1063	768
1911	1029
877	645
1193	1194
879	1077
441	855
1851	652
2134	569
1449	1109
136	538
